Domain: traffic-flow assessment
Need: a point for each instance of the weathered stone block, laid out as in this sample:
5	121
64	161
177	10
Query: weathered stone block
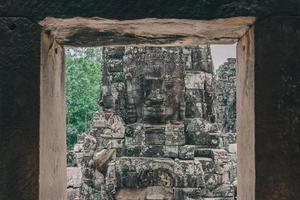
203	139
207	165
156	177
200	125
109	133
115	143
186	152
201	59
126	164
103	143
194	110
198	168
231	138
129	179
114	65
174	89
163	163
110	125
155	138
221	163
215	154
99	120
134	134
99	180
131	151
74	176
232	148
114	52
184	167
194	95
175	134
88	176
204	152
222	191
189	193
159	193
154	70
187	176
130	193
153	151
73	193
195	80
155	135
154	114
131	111
201	133
211	182
188	180
102	157
113	59
171	151
149	171
89	192
111	178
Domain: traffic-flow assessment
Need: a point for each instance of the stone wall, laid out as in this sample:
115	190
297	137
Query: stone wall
156	137
225	109
225	103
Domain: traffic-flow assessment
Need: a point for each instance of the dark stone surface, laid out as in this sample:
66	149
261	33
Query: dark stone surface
277	97
19	108
155	136
133	9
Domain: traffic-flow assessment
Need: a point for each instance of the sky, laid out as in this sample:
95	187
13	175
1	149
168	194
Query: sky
221	52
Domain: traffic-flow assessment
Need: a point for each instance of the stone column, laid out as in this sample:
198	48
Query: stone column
269	110
52	145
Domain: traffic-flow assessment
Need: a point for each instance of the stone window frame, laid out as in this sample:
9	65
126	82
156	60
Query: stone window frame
82	32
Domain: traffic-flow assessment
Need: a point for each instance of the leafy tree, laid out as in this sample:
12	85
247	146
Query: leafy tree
83	88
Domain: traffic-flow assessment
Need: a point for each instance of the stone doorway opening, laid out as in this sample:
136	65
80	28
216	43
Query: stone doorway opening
95	32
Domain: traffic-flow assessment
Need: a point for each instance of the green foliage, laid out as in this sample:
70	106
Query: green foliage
82	89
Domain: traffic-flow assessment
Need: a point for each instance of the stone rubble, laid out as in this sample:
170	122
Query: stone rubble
158	134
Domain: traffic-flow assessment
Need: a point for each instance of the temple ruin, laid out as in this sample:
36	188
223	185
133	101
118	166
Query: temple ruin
161	132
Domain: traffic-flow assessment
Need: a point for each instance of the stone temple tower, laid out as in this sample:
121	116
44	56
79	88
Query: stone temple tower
156	136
